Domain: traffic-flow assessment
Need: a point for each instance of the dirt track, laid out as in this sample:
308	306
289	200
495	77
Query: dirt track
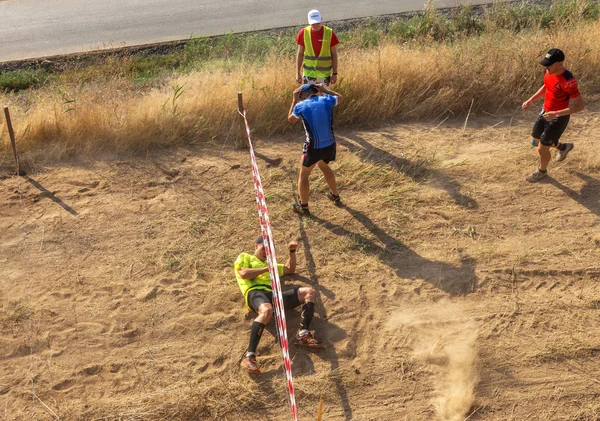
448	286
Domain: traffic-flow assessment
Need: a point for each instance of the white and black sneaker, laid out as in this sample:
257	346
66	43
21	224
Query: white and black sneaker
536	176
561	155
300	209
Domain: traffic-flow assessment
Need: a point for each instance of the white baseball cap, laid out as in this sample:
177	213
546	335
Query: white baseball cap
314	16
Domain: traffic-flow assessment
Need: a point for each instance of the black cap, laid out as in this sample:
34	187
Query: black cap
260	240
553	56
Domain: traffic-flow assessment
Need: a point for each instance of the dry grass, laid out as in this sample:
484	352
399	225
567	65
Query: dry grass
494	72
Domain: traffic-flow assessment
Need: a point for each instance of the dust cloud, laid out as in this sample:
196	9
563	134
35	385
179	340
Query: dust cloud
445	339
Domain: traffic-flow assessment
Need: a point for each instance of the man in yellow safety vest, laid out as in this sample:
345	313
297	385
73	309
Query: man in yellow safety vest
316	59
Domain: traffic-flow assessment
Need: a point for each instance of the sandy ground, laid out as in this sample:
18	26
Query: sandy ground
448	287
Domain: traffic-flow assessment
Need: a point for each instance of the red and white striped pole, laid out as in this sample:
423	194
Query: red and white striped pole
265	225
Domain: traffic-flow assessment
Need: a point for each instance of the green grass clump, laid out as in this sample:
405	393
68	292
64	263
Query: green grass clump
18	80
519	17
238	47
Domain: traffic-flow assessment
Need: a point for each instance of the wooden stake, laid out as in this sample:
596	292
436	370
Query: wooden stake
13	142
240	103
244	141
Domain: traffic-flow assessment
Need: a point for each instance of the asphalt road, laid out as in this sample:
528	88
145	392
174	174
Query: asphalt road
38	28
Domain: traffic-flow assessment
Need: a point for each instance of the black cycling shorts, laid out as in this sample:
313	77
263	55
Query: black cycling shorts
312	156
257	297
549	132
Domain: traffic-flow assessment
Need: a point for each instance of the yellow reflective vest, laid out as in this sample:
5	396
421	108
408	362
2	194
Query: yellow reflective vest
321	66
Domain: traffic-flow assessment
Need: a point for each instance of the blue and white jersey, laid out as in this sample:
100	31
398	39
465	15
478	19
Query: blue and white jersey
316	113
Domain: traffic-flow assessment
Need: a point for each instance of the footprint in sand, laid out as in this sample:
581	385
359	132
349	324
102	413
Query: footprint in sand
65	384
92	370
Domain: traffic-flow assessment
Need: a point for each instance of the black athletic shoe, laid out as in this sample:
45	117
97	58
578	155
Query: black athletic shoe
335	199
300	210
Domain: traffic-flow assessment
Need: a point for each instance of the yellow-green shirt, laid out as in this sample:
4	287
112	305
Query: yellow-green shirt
262	281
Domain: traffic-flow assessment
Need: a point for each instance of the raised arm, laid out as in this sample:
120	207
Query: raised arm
325	90
295	100
290	265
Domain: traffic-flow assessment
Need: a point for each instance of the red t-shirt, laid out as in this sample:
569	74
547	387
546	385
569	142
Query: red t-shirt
559	90
317	39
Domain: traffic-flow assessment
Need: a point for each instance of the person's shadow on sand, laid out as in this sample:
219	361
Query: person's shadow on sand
406	262
417	171
588	197
329	332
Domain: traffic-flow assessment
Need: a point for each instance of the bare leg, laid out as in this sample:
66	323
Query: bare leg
304	183
306	294
329	176
544	153
265	312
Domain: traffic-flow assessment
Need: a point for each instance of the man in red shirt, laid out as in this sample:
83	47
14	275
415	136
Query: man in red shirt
561	99
317	62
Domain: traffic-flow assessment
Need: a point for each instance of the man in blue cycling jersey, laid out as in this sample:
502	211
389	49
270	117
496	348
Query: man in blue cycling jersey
313	104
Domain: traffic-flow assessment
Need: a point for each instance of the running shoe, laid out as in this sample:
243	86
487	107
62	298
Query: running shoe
335	199
300	210
536	176
249	363
561	155
308	341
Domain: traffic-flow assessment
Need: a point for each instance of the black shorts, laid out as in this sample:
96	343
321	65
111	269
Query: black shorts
312	156
257	297
549	132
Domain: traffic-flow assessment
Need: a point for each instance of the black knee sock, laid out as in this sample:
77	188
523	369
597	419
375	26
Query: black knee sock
308	310
255	334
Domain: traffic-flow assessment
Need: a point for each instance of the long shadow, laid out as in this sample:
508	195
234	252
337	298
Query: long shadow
406	262
417	171
271	162
331	332
589	197
47	193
